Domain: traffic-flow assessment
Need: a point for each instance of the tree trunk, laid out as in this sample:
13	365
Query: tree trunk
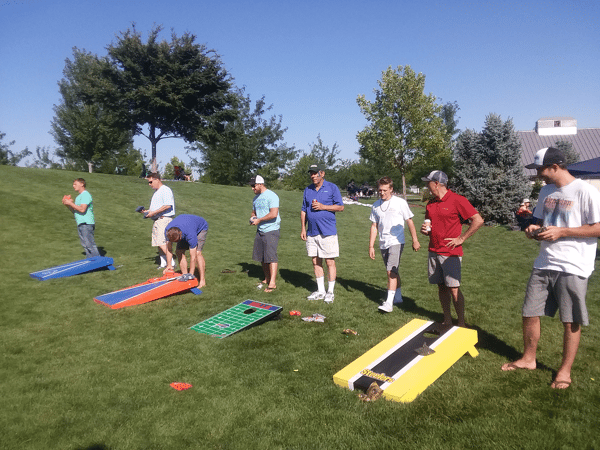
152	137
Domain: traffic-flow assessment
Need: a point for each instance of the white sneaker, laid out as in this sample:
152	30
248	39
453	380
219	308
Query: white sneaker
329	297
316	296
386	307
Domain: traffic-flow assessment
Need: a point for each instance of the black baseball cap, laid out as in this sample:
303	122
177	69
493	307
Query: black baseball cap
316	168
547	157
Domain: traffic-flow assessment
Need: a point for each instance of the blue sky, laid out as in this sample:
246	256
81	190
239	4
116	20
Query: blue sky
311	59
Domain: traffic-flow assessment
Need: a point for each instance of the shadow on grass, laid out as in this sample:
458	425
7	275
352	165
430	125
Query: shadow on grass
486	340
297	279
253	270
101	250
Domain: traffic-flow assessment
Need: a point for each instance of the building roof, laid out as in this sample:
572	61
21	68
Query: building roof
589	168
586	142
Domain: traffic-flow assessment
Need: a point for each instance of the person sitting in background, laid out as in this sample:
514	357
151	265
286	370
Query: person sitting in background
524	214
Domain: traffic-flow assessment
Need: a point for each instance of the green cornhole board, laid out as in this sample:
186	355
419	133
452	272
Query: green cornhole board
239	317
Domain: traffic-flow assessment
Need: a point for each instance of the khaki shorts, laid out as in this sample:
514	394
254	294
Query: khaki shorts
444	269
323	246
158	231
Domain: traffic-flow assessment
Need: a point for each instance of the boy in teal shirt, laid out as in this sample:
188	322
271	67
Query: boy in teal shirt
83	210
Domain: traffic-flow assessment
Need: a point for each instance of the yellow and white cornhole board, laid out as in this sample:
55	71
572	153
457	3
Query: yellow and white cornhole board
403	364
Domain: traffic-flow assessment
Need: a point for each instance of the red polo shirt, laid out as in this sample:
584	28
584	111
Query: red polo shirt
446	215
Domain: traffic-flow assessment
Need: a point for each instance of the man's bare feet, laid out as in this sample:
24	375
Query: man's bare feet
519	364
202	283
560	384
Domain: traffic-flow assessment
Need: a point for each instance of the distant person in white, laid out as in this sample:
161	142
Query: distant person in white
388	216
568	226
162	211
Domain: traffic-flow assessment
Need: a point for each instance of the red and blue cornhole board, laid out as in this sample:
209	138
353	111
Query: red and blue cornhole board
150	290
401	364
237	318
75	268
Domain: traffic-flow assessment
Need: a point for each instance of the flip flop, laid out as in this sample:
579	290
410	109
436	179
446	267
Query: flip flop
270	289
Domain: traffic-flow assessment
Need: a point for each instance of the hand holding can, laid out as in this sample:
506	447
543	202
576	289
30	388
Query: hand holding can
427	224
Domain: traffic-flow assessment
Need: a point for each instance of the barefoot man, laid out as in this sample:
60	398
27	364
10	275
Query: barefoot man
568	227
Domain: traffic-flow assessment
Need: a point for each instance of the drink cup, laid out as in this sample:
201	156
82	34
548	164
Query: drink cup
427	224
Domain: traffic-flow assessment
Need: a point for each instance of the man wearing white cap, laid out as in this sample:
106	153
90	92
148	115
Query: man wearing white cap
568	226
265	216
446	212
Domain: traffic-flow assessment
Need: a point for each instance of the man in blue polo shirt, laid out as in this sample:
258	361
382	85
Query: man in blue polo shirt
321	201
189	232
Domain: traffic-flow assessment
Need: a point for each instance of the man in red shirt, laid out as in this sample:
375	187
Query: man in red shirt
447	211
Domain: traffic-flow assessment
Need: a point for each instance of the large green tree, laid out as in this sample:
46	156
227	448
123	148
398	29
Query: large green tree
249	144
87	133
488	170
404	128
161	89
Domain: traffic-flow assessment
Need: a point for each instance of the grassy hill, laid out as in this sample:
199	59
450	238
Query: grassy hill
77	375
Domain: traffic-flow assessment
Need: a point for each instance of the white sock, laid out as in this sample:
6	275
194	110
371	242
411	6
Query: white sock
390	296
163	261
321	284
331	286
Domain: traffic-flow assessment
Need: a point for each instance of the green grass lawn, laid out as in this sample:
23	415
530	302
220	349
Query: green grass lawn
77	375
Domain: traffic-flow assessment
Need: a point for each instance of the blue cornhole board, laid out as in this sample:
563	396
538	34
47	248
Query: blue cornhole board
75	268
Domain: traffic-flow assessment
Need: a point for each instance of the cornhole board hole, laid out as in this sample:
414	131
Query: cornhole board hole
148	291
75	268
401	365
237	318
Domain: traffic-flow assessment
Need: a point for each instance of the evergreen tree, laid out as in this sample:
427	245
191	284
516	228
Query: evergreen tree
488	170
571	154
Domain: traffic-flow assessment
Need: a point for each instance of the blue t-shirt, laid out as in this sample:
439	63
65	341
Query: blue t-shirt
321	222
190	227
262	205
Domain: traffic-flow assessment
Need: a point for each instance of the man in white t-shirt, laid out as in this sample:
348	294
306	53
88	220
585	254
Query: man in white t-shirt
568	227
388	216
162	211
